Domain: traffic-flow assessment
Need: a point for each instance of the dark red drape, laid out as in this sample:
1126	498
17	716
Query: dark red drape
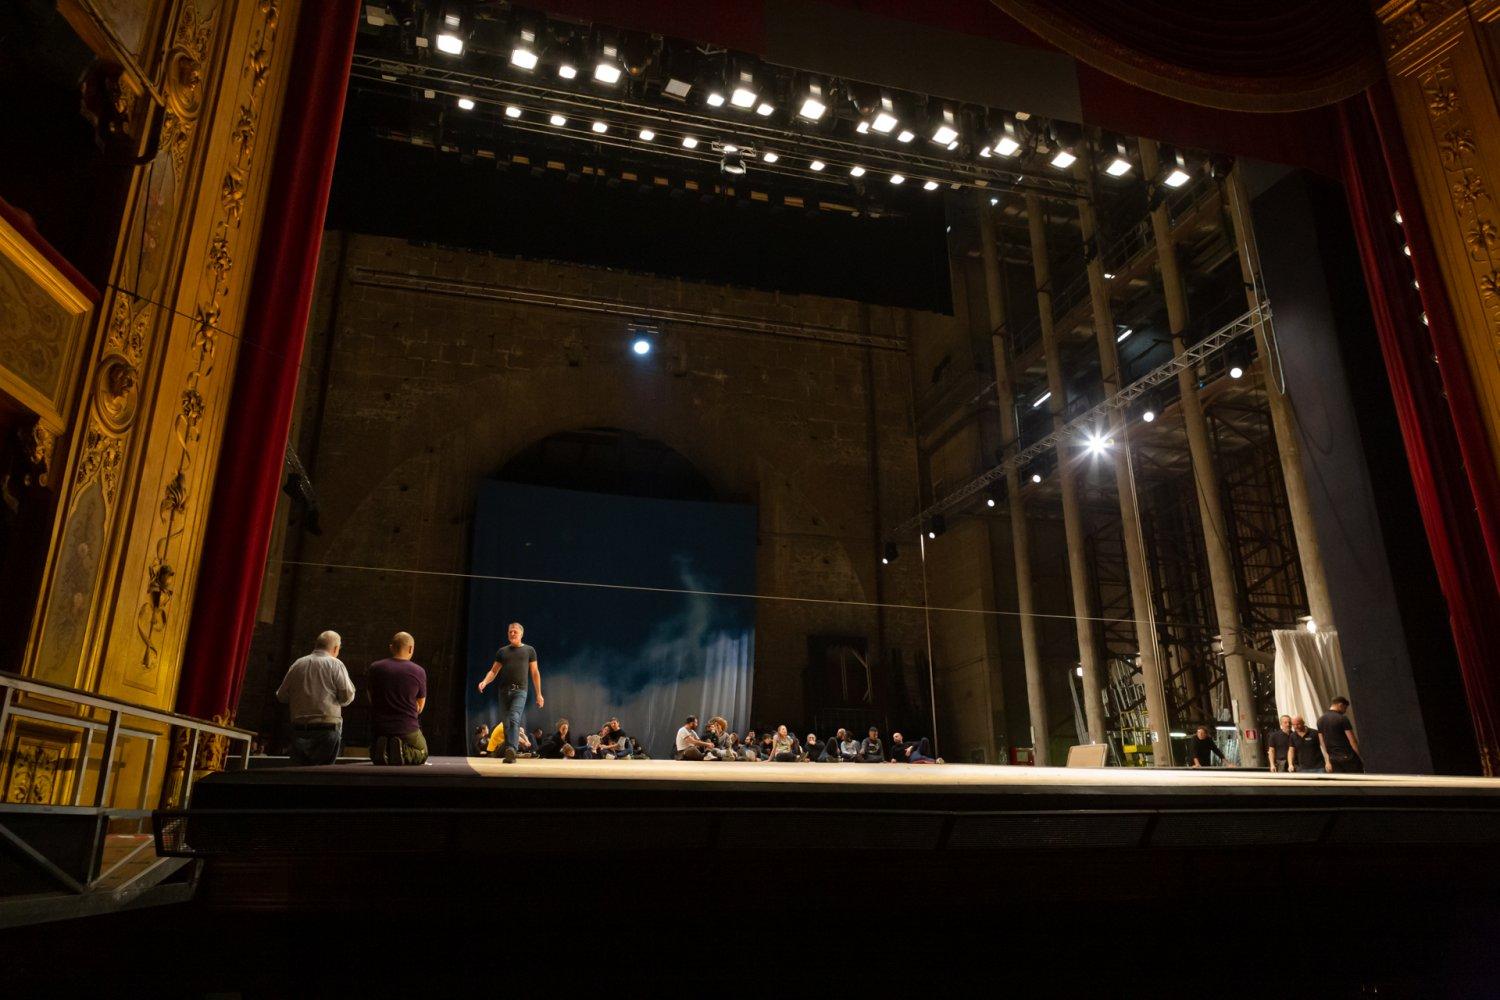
1452	467
246	488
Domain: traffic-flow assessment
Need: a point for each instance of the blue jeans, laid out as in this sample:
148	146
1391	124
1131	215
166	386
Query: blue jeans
513	708
316	746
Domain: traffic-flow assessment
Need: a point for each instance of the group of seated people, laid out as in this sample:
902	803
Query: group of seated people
718	743
611	742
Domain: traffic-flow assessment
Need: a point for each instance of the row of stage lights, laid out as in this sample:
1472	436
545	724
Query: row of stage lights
1094	443
742	92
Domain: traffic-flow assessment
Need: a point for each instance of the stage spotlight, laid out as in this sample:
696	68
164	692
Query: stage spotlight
607	70
715	99
764	109
946	130
1041	399
856	171
898	179
1309	624
1119	165
952	145
450	44
891	553
1398	218
733	162
905	135
930	186
1006	145
511	111
816	165
1078	670
524	56
600	127
863	127
744	95
770	156
1124	332
1108	276
1406	249
688	142
567	71
1096	444
467	103
558	120
989	501
1149	414
641	346
885	118
647	135
1177	173
1236	359
813	107
1036	477
1063	159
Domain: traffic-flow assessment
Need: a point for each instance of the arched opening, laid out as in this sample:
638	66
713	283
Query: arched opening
630	574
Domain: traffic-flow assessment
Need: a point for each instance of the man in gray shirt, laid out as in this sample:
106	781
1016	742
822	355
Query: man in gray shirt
317	687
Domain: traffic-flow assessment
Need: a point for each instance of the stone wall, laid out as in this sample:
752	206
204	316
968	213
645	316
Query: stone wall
427	369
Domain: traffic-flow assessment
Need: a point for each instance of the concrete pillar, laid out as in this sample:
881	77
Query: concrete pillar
1205	480
1078	569
1036	690
1283	417
1130	516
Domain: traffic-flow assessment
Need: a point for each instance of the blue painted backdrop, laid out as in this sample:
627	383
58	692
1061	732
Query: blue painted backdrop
649	657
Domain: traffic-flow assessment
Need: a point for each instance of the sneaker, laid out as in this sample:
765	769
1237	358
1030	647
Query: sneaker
510	755
941	761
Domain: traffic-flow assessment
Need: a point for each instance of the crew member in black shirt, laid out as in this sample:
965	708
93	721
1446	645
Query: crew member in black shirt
1340	746
1307	753
1203	750
513	662
1279	746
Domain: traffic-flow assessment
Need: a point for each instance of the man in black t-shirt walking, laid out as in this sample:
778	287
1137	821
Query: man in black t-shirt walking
515	662
1336	736
1307	752
1279	746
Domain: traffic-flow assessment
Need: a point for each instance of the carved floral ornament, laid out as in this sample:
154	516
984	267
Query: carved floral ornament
154	612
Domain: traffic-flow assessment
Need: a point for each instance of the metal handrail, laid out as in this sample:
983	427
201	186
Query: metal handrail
11	684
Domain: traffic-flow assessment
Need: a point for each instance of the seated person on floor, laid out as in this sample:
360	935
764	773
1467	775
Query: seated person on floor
848	747
831	748
812	748
718	735
870	750
767	741
481	746
524	746
750	746
590	748
397	689
783	746
920	752
552	746
895	751
624	746
688	745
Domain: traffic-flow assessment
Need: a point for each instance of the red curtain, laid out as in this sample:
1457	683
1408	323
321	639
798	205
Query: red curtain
246	488
1452	468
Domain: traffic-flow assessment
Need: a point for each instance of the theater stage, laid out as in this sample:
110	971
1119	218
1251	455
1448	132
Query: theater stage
455	806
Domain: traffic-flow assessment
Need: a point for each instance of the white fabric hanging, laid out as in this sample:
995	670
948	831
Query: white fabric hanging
1308	665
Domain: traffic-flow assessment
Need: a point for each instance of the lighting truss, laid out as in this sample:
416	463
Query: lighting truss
632	115
1087	422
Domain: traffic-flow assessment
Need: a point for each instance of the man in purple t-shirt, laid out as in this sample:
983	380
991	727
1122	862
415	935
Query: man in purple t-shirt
398	693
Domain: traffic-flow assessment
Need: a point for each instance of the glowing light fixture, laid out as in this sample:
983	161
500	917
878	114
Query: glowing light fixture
647	135
764	109
1041	399
930	186
715	99
856	171
770	157
641	346
1063	159
905	135
450	44
816	165
607	69
524	56
600	127
567	71
898	179
467	103
558	120
688	142
511	111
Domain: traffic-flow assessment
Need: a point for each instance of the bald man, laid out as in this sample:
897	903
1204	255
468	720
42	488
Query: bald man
398	693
